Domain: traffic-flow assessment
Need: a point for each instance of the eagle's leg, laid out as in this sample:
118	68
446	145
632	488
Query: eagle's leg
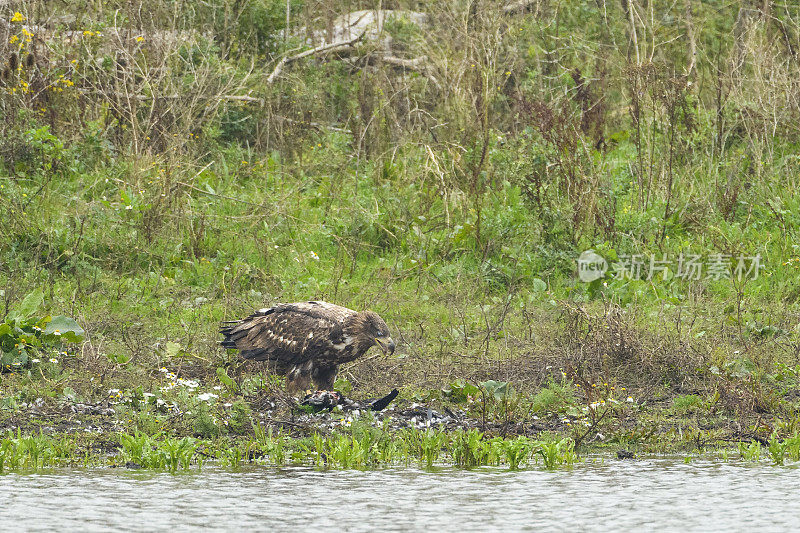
325	376
297	380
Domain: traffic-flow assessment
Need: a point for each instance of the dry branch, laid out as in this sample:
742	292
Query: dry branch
418	64
318	50
520	6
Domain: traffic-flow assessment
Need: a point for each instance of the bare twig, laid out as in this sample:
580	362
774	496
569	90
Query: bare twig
313	51
192	187
520	6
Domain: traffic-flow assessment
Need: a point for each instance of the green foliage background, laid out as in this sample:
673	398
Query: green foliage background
153	182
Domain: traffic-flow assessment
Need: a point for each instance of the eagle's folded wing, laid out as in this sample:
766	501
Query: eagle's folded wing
288	334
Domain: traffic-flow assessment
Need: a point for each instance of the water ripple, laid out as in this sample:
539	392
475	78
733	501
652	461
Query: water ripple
662	494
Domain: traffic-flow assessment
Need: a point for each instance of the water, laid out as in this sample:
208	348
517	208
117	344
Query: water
662	494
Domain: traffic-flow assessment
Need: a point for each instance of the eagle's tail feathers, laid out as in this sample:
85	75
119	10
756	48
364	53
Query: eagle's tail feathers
231	335
256	354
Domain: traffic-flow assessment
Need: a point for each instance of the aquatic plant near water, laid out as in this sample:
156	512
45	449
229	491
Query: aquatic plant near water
34	451
147	451
781	449
430	443
360	447
750	452
516	451
557	453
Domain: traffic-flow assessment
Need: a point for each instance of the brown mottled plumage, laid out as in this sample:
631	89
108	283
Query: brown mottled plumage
307	340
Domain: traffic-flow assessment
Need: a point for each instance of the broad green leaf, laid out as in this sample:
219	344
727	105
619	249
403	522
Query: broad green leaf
118	358
539	285
64	327
458	391
28	306
171	349
498	389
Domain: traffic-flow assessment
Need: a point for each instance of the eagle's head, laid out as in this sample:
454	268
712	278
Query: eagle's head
370	329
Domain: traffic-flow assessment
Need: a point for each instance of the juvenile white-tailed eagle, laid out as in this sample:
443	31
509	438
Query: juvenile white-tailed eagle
307	340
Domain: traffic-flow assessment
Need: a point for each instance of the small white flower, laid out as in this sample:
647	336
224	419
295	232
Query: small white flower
128	207
35	361
53	360
217	387
206	396
629	399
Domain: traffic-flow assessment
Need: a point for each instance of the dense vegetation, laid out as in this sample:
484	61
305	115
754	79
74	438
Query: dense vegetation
168	164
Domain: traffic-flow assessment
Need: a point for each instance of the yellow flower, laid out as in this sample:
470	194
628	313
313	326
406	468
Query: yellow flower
18	17
26	33
139	39
88	33
13	39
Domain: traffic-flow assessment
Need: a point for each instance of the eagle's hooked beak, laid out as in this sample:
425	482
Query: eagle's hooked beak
386	344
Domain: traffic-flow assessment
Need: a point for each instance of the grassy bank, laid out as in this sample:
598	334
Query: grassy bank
152	187
355	449
360	445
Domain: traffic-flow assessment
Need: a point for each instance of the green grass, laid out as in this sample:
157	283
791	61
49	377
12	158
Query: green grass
364	448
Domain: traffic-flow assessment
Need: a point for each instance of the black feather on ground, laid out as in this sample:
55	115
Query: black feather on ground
380	404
